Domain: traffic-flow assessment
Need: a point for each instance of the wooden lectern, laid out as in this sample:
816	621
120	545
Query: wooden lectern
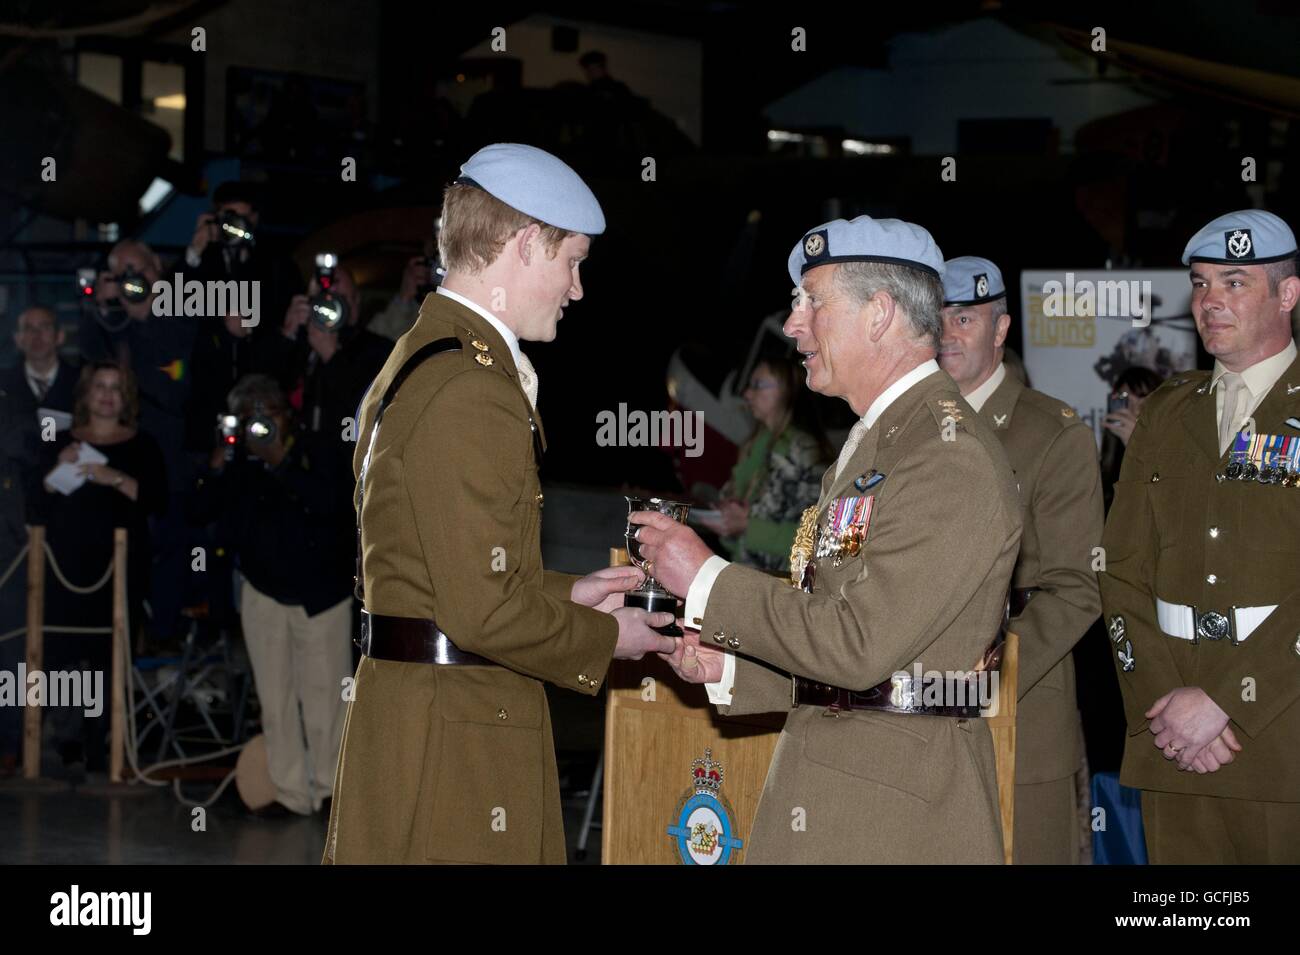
656	726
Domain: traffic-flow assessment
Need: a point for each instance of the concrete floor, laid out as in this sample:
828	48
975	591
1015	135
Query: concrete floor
74	826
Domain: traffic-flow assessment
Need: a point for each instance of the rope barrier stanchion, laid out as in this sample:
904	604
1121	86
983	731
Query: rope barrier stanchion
122	728
69	585
35	647
117	724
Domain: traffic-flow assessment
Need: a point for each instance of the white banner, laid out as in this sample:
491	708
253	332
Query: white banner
1082	329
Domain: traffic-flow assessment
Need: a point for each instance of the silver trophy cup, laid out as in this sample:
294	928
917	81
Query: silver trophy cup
652	596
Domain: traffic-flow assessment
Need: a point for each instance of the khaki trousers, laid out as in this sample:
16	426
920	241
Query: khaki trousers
1213	830
1046	823
299	660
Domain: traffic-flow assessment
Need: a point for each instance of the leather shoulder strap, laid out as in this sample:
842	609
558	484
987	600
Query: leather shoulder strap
424	352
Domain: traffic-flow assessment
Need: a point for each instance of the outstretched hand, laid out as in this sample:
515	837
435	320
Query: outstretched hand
604	589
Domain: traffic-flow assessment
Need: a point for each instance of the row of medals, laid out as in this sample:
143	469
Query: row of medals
846	544
1268	474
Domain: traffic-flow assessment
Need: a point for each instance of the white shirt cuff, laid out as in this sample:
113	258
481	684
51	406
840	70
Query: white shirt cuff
697	597
720	692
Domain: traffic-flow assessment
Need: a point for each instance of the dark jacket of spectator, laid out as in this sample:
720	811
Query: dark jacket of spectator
290	527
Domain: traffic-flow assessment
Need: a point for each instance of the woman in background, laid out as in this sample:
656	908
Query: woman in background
122	491
779	470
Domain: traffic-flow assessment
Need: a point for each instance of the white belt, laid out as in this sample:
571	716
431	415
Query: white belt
1186	623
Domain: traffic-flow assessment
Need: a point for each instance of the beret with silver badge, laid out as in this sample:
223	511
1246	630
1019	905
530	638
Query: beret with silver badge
1252	236
865	239
971	280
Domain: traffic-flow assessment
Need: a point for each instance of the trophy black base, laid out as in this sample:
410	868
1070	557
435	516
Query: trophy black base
655	603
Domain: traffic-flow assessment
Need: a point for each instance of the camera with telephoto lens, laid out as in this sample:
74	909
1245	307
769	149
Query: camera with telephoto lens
329	310
234	230
133	286
235	433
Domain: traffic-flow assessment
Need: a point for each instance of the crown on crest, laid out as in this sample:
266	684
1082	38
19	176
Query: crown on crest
706	774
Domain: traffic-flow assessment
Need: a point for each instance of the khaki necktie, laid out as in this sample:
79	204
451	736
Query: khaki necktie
1233	387
528	379
856	434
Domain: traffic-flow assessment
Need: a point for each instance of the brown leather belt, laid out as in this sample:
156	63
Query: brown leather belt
898	694
412	640
1020	597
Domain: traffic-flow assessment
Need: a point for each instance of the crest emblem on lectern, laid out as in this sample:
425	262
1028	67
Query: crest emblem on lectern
703	829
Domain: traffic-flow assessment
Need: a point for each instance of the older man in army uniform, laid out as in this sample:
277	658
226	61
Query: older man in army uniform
1200	587
903	563
447	752
1054	598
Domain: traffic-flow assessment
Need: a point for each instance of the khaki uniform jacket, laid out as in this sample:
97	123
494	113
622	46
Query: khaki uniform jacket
457	763
928	585
1177	532
1054	457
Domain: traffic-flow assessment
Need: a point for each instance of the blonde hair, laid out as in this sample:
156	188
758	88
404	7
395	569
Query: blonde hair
477	225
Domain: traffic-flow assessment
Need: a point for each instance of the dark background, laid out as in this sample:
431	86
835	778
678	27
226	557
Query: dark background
1181	94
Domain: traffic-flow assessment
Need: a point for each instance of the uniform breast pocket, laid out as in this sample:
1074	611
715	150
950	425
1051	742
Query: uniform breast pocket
1170	505
1268	526
874	747
488	801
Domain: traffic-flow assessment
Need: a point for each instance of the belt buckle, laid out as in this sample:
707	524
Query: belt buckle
1213	625
902	693
363	641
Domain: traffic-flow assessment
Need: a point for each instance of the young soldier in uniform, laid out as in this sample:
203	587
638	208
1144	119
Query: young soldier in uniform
447	751
1054	597
1200	586
904	561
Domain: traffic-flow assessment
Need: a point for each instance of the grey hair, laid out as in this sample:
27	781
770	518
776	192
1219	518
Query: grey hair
919	294
997	307
1277	271
256	393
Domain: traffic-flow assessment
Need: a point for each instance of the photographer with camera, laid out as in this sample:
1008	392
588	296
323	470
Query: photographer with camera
228	245
282	509
330	359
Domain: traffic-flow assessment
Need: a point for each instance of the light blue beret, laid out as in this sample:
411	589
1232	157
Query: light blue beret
537	184
970	280
865	239
1252	236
